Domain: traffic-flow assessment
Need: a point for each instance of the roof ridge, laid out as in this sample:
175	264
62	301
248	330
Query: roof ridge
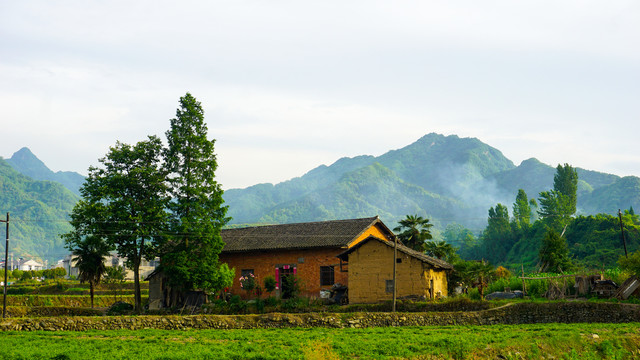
307	222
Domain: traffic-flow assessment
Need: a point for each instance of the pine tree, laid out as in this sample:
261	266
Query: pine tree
190	254
554	253
522	209
558	205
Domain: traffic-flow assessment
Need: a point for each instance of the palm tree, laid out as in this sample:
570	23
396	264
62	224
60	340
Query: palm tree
89	254
439	249
413	231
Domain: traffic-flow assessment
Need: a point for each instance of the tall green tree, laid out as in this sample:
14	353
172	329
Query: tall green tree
124	204
413	231
89	253
554	253
522	210
190	254
558	205
497	238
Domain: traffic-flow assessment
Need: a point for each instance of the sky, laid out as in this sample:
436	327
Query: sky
289	85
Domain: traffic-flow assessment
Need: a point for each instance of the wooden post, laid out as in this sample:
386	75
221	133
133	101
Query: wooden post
624	243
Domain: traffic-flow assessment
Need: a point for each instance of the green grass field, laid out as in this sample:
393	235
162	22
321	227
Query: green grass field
551	341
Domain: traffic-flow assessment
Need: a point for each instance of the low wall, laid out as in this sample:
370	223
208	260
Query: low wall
520	313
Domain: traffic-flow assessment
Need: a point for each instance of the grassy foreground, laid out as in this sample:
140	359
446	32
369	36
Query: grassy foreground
552	341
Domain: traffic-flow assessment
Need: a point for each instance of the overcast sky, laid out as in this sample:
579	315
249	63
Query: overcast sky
289	85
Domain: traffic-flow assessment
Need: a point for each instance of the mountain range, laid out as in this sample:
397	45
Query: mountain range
445	178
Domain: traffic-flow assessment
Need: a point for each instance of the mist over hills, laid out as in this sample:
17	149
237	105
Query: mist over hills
446	178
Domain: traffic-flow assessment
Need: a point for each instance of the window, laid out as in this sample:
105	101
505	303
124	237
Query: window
388	286
326	275
246	272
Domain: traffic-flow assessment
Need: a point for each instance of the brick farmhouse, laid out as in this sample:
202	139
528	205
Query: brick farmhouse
358	253
308	250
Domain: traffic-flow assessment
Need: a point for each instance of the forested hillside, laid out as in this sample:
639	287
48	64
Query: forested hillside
445	178
38	214
26	163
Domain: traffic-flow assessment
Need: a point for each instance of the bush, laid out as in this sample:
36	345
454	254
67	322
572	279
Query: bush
260	305
290	286
272	301
269	284
120	308
237	305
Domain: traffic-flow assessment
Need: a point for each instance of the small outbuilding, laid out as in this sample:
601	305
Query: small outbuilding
370	272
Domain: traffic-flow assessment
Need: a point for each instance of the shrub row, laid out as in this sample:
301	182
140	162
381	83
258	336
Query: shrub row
46	311
78	301
518	313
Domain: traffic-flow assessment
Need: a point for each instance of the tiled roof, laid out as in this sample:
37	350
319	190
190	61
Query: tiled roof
437	263
335	233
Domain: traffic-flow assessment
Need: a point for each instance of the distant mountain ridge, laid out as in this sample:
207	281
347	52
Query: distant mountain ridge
446	178
39	213
26	163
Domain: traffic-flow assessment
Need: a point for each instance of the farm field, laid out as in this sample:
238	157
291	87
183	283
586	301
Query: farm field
552	341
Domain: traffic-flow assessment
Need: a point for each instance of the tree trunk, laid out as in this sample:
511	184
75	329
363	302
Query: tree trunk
136	281
91	292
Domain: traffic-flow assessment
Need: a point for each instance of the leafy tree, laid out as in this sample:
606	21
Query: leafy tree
631	264
558	205
124	204
89	253
16	274
554	253
522	210
565	181
413	231
456	234
498	237
27	275
190	253
59	272
474	274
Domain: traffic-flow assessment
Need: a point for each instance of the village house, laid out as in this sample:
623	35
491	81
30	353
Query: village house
29	265
358	253
370	264
308	250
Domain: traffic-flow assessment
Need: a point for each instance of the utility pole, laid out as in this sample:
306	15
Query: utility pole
624	242
6	260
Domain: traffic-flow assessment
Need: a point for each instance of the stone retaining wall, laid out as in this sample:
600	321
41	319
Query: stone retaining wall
519	313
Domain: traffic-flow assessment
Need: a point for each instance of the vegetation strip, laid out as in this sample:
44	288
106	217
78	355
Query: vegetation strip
520	313
551	341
